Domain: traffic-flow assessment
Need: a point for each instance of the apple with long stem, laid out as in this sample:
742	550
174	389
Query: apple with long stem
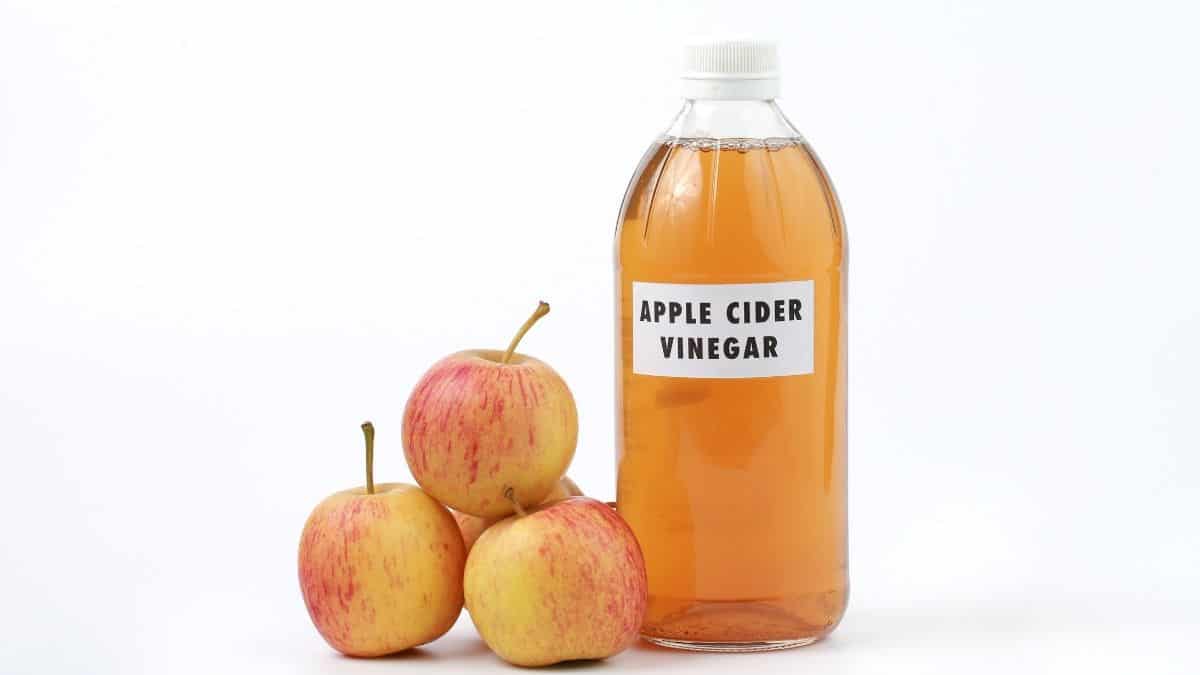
381	566
482	423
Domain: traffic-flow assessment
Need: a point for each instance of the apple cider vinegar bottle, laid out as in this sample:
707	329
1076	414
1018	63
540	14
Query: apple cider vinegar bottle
731	357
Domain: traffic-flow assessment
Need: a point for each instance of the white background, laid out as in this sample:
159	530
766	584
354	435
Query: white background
230	231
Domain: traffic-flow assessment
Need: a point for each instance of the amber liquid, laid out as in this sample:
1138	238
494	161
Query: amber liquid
736	488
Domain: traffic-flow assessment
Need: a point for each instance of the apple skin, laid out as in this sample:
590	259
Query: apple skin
473	526
381	573
566	581
474	427
565	488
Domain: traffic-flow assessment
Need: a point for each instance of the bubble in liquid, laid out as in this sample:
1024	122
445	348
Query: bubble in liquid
738	144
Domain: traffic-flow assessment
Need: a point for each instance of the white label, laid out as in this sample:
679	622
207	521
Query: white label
723	330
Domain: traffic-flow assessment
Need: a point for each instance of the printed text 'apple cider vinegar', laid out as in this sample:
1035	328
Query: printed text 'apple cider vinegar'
731	388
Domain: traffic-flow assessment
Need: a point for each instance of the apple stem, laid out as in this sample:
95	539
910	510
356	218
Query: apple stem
512	498
369	435
542	310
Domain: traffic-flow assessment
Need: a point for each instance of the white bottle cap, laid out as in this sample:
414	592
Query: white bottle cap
731	69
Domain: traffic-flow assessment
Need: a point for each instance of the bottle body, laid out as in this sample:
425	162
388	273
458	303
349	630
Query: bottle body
731	382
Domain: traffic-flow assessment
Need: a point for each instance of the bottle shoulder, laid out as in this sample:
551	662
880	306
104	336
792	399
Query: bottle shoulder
751	205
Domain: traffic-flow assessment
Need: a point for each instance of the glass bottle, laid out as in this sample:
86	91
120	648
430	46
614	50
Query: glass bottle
731	367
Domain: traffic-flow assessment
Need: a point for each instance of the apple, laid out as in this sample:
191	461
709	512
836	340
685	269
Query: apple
564	581
473	526
565	488
482	423
381	567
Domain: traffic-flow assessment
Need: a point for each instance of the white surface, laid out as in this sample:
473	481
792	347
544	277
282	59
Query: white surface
229	233
902	642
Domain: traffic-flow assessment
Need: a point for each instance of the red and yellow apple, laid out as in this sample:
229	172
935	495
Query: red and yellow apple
564	581
381	567
481	424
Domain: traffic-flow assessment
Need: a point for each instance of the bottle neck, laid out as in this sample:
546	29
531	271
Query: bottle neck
722	118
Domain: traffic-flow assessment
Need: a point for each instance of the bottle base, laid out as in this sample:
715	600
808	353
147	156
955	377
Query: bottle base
731	647
743	626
